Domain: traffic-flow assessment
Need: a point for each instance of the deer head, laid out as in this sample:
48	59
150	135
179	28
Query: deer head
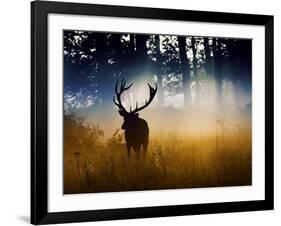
132	114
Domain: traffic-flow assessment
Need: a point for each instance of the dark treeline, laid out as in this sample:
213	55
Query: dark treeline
184	65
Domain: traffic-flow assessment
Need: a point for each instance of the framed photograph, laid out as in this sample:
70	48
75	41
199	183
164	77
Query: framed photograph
145	112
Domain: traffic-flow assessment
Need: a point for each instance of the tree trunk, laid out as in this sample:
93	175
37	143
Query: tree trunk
132	44
185	71
105	86
141	49
117	55
138	62
142	66
208	64
195	74
158	71
218	61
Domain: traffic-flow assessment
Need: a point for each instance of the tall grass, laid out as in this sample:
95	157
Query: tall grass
173	160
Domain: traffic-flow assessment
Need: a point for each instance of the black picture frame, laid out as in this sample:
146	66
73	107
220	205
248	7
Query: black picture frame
39	112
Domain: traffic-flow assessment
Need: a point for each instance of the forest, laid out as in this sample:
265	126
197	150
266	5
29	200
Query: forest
180	65
199	121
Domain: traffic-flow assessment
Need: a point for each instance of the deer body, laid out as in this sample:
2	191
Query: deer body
136	134
136	129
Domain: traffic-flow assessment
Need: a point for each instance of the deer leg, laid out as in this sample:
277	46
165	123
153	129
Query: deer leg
137	150
129	150
145	145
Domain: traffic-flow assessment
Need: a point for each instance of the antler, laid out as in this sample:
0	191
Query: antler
152	92
118	103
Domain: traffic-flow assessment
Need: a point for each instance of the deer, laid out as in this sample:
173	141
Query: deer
136	129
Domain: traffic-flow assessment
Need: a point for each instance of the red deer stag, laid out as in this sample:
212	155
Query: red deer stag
136	129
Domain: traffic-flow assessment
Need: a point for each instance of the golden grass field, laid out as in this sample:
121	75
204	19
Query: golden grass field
173	160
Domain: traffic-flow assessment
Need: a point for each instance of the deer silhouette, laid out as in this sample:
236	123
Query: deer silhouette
136	129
